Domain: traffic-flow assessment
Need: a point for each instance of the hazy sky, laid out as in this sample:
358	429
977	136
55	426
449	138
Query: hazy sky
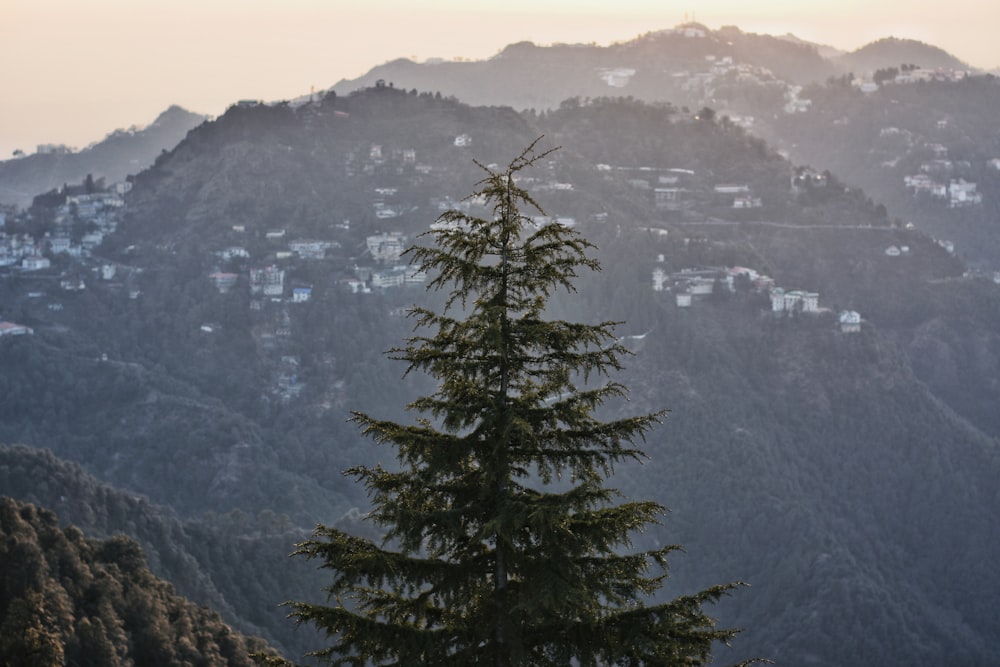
73	70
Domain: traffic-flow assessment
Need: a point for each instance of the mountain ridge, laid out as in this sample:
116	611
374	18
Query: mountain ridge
119	154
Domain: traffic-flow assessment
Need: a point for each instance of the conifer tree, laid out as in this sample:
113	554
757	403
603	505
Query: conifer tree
503	546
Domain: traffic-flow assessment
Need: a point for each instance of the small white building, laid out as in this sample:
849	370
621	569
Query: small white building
386	278
617	77
233	252
963	193
794	300
269	280
701	286
59	244
850	321
659	279
35	263
357	286
747	202
386	247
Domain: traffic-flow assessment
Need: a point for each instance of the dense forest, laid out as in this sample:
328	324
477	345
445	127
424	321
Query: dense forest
69	600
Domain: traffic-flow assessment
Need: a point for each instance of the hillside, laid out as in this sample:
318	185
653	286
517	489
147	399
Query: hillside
892	52
65	599
679	65
893	109
234	563
120	153
848	474
928	150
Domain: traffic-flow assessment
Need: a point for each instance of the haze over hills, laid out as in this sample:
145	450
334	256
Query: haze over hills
664	65
890	51
915	118
848	473
120	153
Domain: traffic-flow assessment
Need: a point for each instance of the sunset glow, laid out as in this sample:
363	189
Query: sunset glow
74	71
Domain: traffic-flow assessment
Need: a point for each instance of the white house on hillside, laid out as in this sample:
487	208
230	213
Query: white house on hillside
794	300
850	321
386	247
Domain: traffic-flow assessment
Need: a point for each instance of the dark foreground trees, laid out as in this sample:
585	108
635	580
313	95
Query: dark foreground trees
503	545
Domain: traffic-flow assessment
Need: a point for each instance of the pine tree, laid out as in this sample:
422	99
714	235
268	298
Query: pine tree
503	545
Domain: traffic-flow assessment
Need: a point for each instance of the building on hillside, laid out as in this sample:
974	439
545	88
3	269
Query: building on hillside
13	329
617	77
850	321
747	202
963	193
669	199
414	274
233	252
394	277
386	247
59	244
357	286
269	281
924	183
223	281
700	286
731	189
794	301
301	294
307	249
734	272
35	263
659	279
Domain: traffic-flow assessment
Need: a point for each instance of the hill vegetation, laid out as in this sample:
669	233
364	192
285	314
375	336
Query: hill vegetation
65	599
850	477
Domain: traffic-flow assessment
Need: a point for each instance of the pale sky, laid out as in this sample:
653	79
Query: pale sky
72	71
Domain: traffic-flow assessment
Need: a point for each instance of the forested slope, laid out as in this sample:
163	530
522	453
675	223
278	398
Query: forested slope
65	599
849	477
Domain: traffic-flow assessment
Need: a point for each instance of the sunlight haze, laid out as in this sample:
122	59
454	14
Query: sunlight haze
74	72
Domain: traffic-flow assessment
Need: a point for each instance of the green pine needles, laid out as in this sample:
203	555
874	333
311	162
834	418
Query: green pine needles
485	561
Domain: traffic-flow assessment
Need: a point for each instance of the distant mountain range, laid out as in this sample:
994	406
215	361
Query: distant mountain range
658	66
832	110
121	153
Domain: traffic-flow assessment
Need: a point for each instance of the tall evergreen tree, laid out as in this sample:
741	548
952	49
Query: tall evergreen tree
503	545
